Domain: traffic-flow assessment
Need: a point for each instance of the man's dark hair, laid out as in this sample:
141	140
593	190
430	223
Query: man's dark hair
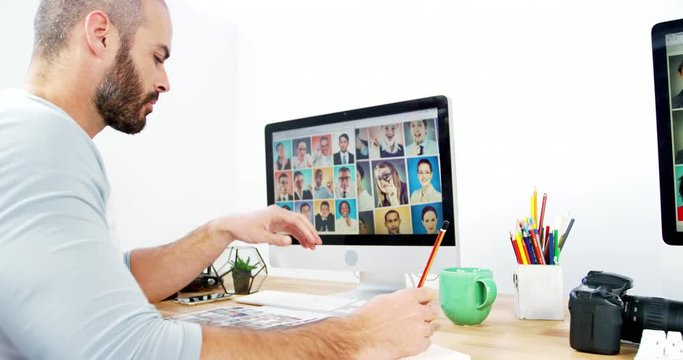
392	211
297	173
425	122
344	136
344	169
282	175
325	203
55	19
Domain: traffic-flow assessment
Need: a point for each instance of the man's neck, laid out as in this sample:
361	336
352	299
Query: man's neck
53	83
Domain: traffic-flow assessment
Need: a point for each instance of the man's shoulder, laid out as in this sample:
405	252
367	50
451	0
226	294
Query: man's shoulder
36	131
22	112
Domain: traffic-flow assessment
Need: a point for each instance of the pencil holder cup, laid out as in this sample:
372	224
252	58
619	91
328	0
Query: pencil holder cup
539	292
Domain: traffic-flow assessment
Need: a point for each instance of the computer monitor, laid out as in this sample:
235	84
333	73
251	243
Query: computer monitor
667	51
667	57
377	184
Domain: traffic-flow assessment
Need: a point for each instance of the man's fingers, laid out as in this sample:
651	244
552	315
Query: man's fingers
277	239
287	221
428	312
302	229
422	295
428	330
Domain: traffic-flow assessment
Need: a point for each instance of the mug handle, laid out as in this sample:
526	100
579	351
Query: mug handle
491	292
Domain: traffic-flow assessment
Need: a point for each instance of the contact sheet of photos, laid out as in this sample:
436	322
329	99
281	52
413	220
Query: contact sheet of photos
381	179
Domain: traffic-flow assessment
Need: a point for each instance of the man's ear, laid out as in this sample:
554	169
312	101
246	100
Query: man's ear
98	33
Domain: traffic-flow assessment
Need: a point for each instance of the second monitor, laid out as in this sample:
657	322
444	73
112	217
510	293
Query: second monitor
377	183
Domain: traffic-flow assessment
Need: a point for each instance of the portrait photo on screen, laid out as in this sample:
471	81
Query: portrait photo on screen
676	81
424	179
366	223
374	140
677	120
391	142
322	150
303	180
420	137
345	181
390	182
427	218
323	183
343	145
393	221
679	191
305	208
346	220
324	215
301	157
364	186
287	205
362	145
282	150
283	185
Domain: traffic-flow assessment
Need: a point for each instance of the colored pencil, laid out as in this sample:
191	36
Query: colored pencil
435	248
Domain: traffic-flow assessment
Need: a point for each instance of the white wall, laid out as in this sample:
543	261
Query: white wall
553	94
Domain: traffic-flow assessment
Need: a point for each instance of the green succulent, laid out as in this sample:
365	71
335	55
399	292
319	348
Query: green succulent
241	265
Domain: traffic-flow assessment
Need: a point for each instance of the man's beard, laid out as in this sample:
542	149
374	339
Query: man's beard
120	98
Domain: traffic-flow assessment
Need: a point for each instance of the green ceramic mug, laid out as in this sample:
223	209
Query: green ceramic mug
466	294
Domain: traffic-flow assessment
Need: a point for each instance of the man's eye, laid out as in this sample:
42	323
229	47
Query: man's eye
158	60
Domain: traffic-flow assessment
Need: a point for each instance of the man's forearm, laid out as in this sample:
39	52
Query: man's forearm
334	338
165	269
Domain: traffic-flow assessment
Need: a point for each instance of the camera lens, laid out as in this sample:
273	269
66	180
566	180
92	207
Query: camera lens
650	313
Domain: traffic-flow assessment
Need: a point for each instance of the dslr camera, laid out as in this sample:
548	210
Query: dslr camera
602	314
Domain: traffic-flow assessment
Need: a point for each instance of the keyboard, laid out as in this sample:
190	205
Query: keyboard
250	318
660	345
306	302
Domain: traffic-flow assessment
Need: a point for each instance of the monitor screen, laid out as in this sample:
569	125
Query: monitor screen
667	50
373	176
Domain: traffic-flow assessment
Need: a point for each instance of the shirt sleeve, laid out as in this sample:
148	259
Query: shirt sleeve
65	292
126	259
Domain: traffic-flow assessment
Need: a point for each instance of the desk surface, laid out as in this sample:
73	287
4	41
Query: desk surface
500	336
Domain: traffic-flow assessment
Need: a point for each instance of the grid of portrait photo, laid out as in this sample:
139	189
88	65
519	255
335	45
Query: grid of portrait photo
379	179
675	64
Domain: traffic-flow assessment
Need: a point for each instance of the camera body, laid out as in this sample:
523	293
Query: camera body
602	314
596	309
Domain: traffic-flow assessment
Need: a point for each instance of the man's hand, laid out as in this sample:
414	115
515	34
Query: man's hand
264	226
396	325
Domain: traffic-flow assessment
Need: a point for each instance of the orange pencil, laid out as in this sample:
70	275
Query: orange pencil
439	237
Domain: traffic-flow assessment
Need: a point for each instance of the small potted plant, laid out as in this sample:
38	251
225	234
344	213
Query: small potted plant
241	274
